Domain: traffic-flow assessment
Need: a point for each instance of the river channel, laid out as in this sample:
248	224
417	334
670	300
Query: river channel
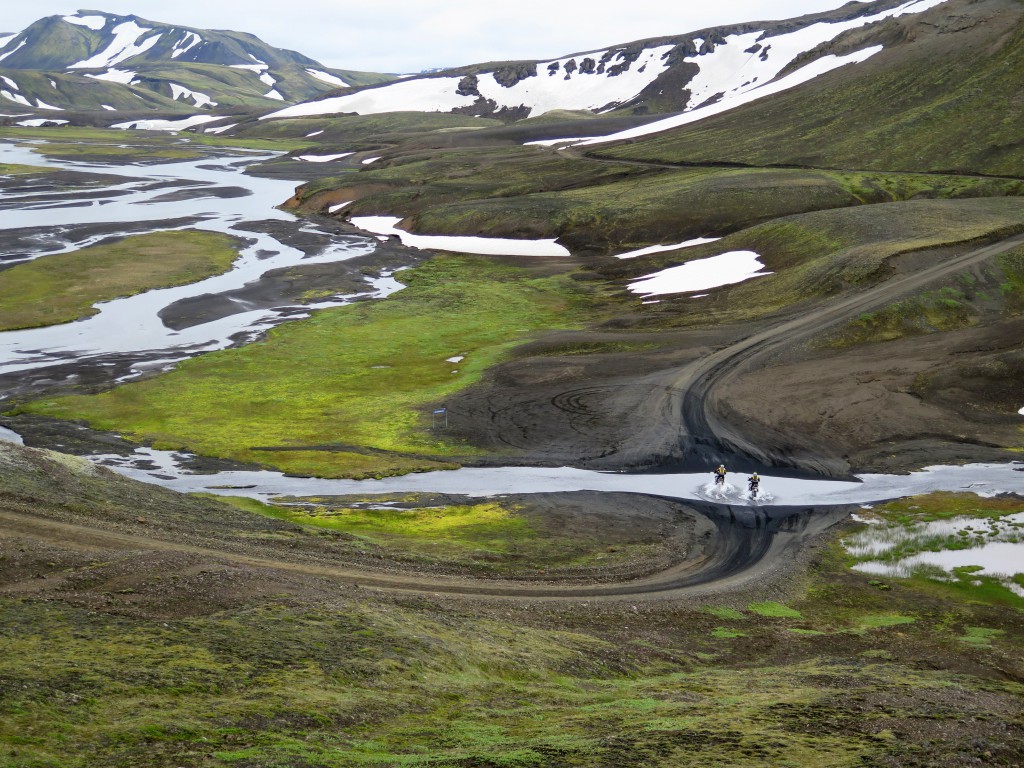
130	334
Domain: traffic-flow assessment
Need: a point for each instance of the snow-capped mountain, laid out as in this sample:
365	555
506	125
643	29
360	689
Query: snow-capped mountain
96	60
709	68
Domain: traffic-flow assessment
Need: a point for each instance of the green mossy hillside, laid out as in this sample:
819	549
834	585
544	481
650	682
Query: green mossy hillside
826	253
951	103
608	206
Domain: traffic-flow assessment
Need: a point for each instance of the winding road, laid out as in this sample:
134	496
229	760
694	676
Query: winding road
684	418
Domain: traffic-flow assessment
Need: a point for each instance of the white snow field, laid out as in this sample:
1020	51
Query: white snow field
95	23
41	121
168	125
485	246
124	46
15	97
701	274
323	158
123	76
732	74
549	89
200	99
326	77
43	105
15	49
187	43
662	248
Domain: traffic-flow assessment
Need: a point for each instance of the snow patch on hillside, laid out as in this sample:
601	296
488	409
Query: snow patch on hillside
323	158
701	274
11	84
167	125
486	246
558	84
14	50
95	23
432	94
123	46
187	43
326	77
43	105
41	121
559	89
16	97
273	94
200	99
811	71
122	76
5	39
662	248
745	68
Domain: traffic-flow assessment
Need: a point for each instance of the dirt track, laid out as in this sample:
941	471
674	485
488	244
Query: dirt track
742	548
666	409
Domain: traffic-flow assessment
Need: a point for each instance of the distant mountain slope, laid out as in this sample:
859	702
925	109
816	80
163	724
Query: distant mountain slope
655	75
946	95
155	65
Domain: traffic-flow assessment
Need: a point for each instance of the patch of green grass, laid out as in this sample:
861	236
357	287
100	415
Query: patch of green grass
64	287
929	312
980	637
445	531
773	610
115	152
946	505
882	620
10	169
492	537
725	633
348	391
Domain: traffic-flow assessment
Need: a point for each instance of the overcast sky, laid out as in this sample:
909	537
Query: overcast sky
411	35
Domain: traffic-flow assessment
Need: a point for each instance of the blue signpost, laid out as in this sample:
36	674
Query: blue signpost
437	412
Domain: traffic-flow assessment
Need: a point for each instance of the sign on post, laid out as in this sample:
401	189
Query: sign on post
438	412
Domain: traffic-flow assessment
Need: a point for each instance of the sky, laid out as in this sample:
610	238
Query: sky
412	35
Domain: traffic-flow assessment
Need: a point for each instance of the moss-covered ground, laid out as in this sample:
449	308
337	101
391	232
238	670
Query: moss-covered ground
845	671
64	287
349	391
488	538
825	253
612	207
114	145
11	169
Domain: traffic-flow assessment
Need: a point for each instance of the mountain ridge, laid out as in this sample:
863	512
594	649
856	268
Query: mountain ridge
170	67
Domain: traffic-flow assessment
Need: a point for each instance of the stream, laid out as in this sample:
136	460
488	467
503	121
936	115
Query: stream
223	199
219	199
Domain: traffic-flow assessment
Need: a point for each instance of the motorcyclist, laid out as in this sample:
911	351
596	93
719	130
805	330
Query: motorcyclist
754	482
720	474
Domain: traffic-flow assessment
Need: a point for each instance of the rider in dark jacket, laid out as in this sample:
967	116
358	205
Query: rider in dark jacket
754	482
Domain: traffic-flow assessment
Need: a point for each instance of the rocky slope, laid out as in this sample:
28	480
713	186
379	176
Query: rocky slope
100	61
